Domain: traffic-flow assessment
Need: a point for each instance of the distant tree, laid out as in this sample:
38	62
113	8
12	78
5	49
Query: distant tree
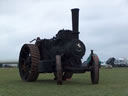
1	65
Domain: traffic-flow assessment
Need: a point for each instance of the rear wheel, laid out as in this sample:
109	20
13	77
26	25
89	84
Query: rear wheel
95	69
28	62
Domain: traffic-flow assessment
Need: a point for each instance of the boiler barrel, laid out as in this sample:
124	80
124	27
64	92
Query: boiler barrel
75	20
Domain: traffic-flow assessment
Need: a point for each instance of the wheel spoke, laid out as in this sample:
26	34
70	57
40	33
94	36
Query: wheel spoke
26	75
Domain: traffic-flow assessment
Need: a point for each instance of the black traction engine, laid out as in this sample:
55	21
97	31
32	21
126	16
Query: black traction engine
60	55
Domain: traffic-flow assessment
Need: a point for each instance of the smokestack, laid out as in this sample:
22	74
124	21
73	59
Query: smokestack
75	20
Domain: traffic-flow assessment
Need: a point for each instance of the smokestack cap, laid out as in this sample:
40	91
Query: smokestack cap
75	9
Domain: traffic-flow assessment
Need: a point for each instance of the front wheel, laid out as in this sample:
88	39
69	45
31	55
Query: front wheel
59	73
95	69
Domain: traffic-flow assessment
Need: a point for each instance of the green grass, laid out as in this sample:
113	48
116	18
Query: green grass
113	82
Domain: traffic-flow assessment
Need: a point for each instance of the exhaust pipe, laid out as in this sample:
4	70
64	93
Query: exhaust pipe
75	20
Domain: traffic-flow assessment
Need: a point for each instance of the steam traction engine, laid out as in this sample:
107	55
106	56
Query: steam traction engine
60	55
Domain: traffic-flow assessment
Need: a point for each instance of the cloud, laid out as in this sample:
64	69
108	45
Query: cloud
103	24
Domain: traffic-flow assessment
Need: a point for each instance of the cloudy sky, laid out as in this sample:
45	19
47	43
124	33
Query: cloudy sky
103	24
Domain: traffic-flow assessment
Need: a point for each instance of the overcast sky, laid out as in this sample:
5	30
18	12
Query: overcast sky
103	24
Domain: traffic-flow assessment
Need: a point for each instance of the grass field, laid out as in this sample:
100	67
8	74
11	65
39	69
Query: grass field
113	82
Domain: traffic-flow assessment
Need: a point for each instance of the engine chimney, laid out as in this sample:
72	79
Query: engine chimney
75	20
